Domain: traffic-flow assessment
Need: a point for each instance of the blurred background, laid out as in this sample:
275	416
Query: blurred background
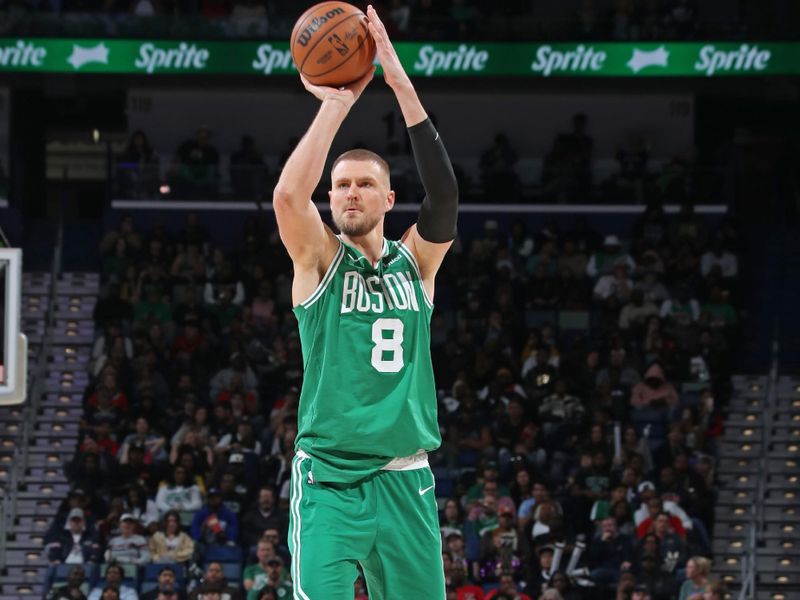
616	335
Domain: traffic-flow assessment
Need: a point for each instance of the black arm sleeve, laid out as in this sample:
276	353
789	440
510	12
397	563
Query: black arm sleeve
439	211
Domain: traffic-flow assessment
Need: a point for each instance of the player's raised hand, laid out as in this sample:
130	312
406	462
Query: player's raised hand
347	94
393	71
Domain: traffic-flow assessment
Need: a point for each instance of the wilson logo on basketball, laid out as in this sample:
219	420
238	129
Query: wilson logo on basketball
316	23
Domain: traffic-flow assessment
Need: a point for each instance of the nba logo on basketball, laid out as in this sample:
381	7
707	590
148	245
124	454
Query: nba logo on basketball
335	41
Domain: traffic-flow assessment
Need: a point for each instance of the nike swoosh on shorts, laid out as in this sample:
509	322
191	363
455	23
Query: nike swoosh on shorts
421	492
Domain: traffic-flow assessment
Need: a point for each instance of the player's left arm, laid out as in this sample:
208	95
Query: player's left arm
435	230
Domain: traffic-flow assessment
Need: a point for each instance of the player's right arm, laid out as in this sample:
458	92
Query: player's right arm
310	243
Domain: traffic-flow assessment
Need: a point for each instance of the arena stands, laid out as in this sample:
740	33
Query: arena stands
582	380
431	20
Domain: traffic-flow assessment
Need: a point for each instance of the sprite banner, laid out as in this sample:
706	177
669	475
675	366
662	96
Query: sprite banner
667	59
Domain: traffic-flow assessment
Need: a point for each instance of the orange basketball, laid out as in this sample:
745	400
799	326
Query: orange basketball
331	44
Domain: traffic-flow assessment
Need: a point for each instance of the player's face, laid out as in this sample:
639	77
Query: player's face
360	196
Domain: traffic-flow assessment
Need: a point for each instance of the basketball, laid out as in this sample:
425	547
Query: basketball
331	44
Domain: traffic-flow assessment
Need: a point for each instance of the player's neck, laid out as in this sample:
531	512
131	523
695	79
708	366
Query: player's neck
370	245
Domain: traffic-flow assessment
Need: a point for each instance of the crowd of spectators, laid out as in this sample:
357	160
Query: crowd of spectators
407	19
568	172
580	381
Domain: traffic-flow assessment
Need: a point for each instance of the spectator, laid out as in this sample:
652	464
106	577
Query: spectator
188	269
720	261
214	523
198	165
167	589
268	571
673	550
73	588
490	478
614	289
126	231
608	553
717	312
635	313
140	507
500	546
137	168
641	592
715	591
567	167
153	443
74	544
452	520
654	391
179	493
172	544
265	515
498	169
111	593
508	587
651	505
114	580
242	441
214	582
561	409
128	547
658	584
696	584
237	368
248	171
605	260
654	291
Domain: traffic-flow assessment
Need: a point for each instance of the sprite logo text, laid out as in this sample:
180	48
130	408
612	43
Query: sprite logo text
22	54
463	59
185	56
745	58
582	58
269	59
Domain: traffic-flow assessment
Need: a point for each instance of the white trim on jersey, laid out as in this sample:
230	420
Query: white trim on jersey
412	259
326	279
297	484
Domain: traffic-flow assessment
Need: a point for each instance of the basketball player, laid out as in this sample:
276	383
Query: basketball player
362	490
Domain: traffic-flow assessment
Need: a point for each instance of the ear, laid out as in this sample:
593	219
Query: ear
330	194
390	200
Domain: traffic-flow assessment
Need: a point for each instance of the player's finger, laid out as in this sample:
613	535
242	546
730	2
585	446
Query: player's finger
373	17
373	31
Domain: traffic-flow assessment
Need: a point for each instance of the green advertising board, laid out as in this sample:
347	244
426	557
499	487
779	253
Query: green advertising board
584	59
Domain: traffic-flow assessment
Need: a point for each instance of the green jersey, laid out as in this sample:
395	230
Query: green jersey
368	391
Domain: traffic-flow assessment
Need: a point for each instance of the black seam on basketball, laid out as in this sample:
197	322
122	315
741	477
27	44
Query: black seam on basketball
322	37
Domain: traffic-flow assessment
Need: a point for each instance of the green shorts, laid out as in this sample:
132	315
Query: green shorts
388	523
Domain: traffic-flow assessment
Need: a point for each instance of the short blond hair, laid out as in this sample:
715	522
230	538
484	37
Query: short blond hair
362	154
703	565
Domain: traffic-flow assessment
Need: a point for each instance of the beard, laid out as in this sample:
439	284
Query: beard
358	227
